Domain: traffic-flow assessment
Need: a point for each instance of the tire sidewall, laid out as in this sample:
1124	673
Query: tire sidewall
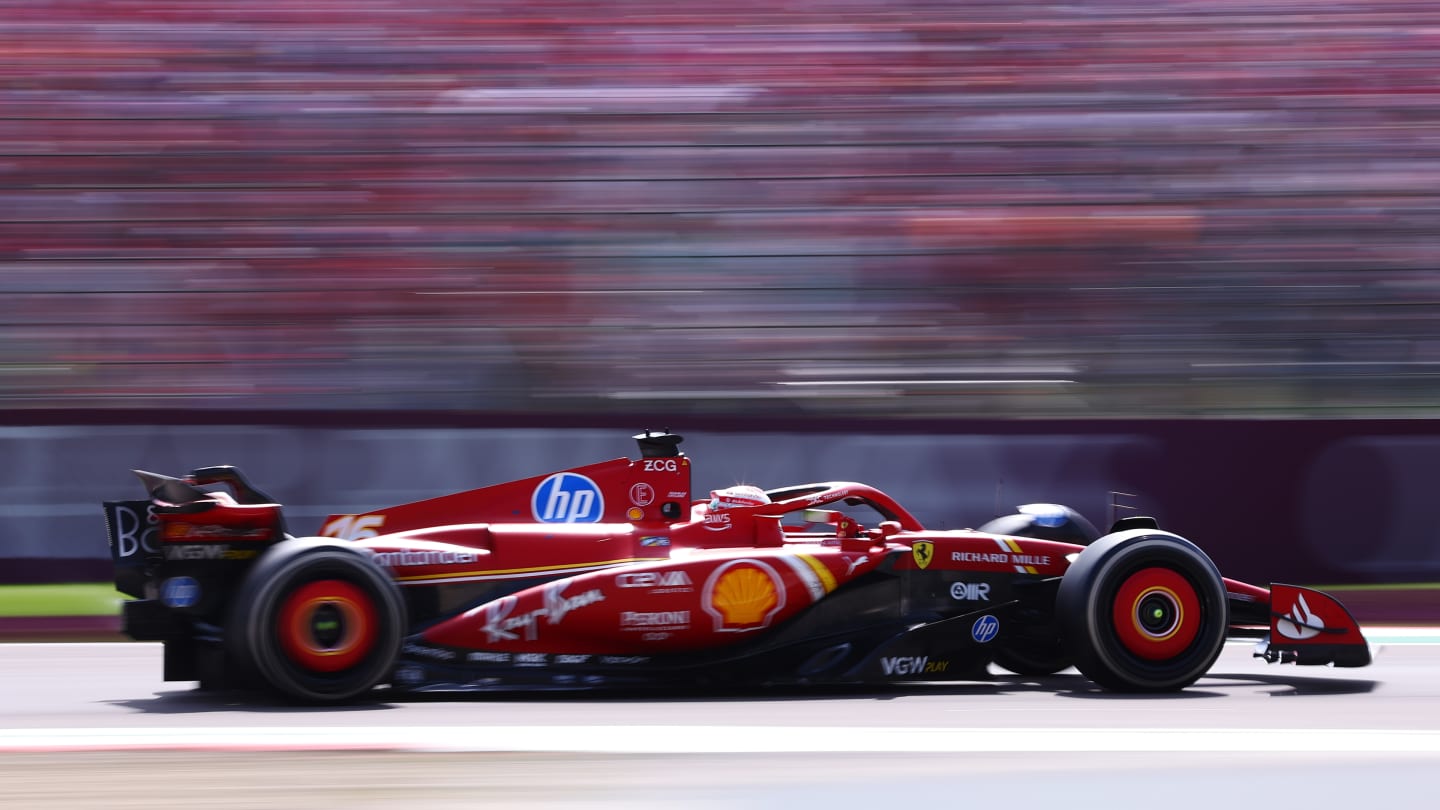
254	636
1085	607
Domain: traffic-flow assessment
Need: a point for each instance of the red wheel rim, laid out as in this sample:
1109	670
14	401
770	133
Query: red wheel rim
1156	613
327	625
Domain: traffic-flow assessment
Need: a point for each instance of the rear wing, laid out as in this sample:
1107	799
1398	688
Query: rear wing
133	534
182	524
1310	627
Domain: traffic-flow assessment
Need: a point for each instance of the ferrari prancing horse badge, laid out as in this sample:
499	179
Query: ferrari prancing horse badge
923	550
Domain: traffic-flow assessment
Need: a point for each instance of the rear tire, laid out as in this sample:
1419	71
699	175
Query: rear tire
317	621
1045	521
1143	611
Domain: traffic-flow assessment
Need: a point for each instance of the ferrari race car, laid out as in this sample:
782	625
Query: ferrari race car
611	575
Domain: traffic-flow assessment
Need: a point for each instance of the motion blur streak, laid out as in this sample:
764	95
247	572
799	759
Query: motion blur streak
1210	207
722	739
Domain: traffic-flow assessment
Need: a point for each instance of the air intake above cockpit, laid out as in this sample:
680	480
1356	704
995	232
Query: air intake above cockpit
663	444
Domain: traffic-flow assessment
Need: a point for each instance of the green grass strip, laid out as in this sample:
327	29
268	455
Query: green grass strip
69	599
1409	586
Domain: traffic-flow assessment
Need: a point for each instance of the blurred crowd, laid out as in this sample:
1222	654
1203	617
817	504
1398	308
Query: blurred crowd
905	208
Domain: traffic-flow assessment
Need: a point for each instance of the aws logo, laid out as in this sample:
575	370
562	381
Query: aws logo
717	522
567	497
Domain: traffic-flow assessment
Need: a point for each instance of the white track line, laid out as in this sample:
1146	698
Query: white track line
726	740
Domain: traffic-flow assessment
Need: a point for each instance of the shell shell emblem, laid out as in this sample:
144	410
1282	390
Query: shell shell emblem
743	595
924	552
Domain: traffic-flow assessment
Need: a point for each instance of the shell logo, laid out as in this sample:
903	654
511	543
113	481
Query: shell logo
743	595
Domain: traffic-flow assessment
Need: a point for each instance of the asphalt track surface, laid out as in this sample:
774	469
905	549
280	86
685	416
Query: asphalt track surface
92	725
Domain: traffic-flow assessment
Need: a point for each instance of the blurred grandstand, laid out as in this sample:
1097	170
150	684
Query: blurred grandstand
908	208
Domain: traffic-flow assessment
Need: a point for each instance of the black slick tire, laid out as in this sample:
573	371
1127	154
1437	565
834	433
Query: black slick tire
1143	610
317	621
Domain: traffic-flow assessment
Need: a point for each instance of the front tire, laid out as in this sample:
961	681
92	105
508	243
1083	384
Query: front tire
1143	611
317	621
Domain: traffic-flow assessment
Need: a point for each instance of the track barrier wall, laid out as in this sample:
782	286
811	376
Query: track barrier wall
1344	501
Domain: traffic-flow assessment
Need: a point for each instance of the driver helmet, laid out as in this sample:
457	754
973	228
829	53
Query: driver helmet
738	495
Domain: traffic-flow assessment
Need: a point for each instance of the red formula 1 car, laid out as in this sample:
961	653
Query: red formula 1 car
610	575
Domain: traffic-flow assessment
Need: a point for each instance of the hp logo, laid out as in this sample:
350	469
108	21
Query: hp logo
567	498
985	629
180	592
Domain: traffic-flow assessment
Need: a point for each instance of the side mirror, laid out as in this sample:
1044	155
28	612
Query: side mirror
822	516
845	526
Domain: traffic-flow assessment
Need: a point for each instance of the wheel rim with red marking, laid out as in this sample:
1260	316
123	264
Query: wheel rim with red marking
327	625
1157	613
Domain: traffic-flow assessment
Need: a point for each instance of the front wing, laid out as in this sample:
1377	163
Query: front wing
1310	627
